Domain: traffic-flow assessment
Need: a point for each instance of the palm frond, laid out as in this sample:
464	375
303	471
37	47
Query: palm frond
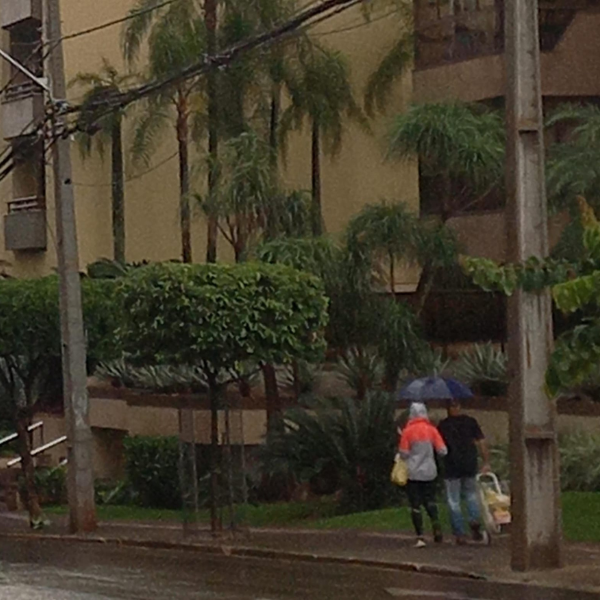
148	127
144	12
395	64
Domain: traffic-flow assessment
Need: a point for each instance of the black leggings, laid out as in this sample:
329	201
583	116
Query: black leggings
422	493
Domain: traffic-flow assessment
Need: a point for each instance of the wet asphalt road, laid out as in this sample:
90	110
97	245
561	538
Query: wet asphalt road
59	571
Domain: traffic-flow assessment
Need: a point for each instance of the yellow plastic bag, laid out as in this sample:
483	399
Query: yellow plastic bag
399	474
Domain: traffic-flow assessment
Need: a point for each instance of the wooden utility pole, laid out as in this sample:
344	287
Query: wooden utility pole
535	486
80	481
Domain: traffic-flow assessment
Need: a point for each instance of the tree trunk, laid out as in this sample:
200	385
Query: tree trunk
210	20
316	209
215	522
392	275
31	498
184	181
271	229
273	400
118	192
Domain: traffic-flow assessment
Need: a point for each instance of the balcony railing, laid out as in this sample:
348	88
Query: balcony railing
20	91
448	38
25	204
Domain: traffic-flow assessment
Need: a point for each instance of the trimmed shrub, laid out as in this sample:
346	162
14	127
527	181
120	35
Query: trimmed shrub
151	465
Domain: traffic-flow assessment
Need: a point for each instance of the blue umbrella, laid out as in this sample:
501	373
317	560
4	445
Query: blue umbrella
434	388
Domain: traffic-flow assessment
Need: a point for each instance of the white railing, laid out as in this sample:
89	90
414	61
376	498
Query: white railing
60	440
14	436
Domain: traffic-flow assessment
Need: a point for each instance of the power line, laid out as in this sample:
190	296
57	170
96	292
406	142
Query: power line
324	11
303	21
357	25
133	177
132	15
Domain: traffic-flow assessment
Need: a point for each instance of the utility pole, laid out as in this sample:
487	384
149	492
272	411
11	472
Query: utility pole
80	482
535	486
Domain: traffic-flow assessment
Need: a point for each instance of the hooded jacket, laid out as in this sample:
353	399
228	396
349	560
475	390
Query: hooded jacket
419	440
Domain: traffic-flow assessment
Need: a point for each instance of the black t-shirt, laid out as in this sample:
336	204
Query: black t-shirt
460	434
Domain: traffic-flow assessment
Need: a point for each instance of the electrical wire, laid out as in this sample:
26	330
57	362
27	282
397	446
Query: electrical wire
133	177
128	17
327	9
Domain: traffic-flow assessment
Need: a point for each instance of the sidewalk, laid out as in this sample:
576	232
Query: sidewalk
581	570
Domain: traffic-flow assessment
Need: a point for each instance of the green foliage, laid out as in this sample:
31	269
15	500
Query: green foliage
99	86
152	468
348	444
579	462
395	64
245	193
362	370
384	234
302	378
320	92
51	485
168	379
217	316
482	367
454	141
573	165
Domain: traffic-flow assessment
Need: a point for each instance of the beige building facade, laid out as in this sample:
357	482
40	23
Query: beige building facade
359	175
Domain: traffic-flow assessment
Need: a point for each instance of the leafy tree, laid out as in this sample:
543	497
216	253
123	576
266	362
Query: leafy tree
245	192
320	93
387	234
108	130
574	288
459	146
176	37
217	317
30	352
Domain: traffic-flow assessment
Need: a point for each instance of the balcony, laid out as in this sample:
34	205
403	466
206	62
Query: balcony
459	52
17	11
25	225
22	107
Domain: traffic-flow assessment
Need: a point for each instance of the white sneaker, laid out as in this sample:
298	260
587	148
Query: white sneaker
420	543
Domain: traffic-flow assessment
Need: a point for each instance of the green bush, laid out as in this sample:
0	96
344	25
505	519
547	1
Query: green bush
483	368
339	445
579	462
151	465
51	485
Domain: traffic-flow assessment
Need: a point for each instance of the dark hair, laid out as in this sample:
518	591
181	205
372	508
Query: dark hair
452	403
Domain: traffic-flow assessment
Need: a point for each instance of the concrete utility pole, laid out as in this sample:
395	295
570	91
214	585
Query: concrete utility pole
80	481
535	488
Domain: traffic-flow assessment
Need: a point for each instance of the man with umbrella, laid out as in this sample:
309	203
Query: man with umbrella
463	438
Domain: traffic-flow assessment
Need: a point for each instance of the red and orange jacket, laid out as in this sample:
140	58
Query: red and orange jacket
417	444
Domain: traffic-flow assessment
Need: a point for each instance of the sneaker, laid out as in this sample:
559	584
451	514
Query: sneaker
478	533
420	543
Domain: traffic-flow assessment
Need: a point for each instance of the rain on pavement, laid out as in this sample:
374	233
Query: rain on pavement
64	571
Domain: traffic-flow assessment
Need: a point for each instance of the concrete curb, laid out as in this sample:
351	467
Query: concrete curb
249	552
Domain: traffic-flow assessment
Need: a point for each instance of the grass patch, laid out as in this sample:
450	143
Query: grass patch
580	510
580	516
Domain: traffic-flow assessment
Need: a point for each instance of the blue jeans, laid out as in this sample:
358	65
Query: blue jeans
458	490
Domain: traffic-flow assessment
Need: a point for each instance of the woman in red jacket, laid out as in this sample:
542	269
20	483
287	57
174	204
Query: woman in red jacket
417	445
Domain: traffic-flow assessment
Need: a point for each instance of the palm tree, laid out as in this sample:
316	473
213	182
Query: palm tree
108	130
176	37
459	146
320	93
386	234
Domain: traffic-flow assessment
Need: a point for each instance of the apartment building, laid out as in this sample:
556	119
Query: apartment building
359	175
459	46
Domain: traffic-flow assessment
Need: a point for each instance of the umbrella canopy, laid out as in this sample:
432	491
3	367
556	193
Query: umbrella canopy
434	388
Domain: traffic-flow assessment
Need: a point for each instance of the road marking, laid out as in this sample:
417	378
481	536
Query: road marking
399	593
